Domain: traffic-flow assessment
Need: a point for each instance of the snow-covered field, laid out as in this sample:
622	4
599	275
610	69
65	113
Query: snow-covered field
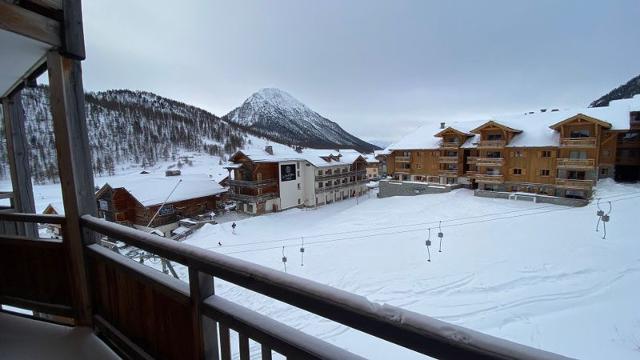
537	274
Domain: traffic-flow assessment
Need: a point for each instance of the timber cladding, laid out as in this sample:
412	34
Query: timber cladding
34	270
158	322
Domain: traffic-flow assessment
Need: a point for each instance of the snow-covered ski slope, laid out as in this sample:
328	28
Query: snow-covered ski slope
537	274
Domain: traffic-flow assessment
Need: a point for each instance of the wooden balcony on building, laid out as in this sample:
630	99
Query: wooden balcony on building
489	178
448	172
448	159
449	145
491	144
253	183
574	184
485	161
403	158
472	159
251	198
586	142
566	163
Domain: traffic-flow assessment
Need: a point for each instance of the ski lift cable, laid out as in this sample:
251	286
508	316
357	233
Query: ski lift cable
412	230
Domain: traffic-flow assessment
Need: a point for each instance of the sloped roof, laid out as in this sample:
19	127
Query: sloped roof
316	157
153	190
535	127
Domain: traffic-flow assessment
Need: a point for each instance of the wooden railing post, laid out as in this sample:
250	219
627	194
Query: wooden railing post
18	157
74	164
205	332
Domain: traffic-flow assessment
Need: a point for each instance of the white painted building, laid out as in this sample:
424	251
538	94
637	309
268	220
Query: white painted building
278	178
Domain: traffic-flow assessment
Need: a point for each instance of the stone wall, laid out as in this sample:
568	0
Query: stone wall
389	188
529	197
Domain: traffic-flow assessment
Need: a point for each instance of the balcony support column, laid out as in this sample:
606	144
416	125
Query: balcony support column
18	158
76	175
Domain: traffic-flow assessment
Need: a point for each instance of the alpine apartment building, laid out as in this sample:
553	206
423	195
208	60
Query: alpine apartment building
277	178
551	152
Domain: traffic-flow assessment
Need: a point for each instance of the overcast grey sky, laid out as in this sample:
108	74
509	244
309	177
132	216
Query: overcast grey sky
379	69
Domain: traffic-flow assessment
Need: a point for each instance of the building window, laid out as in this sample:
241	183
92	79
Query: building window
576	175
545	153
419	166
576	154
494	154
298	201
544	172
517	153
494	137
604	171
580	133
517	171
319	172
299	186
320	185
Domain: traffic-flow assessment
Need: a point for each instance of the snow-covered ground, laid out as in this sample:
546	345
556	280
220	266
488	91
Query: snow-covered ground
537	274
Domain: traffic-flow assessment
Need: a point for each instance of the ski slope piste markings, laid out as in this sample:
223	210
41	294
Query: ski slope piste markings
531	212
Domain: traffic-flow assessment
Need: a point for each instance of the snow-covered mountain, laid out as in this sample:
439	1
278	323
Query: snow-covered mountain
275	114
126	128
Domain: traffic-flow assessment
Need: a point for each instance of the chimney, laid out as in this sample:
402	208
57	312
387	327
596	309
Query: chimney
543	110
441	125
269	149
554	109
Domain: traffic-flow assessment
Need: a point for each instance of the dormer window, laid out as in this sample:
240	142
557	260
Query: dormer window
494	136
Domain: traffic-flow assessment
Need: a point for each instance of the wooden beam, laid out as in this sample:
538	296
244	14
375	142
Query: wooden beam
18	156
73	30
74	164
27	23
205	332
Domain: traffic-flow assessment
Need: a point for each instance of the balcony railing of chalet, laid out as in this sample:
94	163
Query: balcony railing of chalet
574	184
576	163
472	159
491	144
189	321
448	159
489	178
251	198
340	175
403	158
449	145
486	161
587	142
253	183
448	172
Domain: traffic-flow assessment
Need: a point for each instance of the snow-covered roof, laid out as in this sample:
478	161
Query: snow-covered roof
180	230
316	157
153	190
535	127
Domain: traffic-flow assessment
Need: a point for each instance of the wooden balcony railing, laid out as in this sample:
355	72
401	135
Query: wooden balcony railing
485	161
449	172
575	163
147	314
489	178
403	158
491	144
586	142
448	159
251	198
253	183
575	184
449	145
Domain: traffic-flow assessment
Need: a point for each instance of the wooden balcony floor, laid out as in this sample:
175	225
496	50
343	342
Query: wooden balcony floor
22	338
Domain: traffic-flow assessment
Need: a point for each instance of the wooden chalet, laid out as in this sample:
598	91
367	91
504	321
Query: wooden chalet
553	153
89	302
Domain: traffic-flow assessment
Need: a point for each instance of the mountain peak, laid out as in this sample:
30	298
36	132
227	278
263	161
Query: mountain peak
275	114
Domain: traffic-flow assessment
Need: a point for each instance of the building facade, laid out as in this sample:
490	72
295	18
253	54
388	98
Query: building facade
556	153
279	178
